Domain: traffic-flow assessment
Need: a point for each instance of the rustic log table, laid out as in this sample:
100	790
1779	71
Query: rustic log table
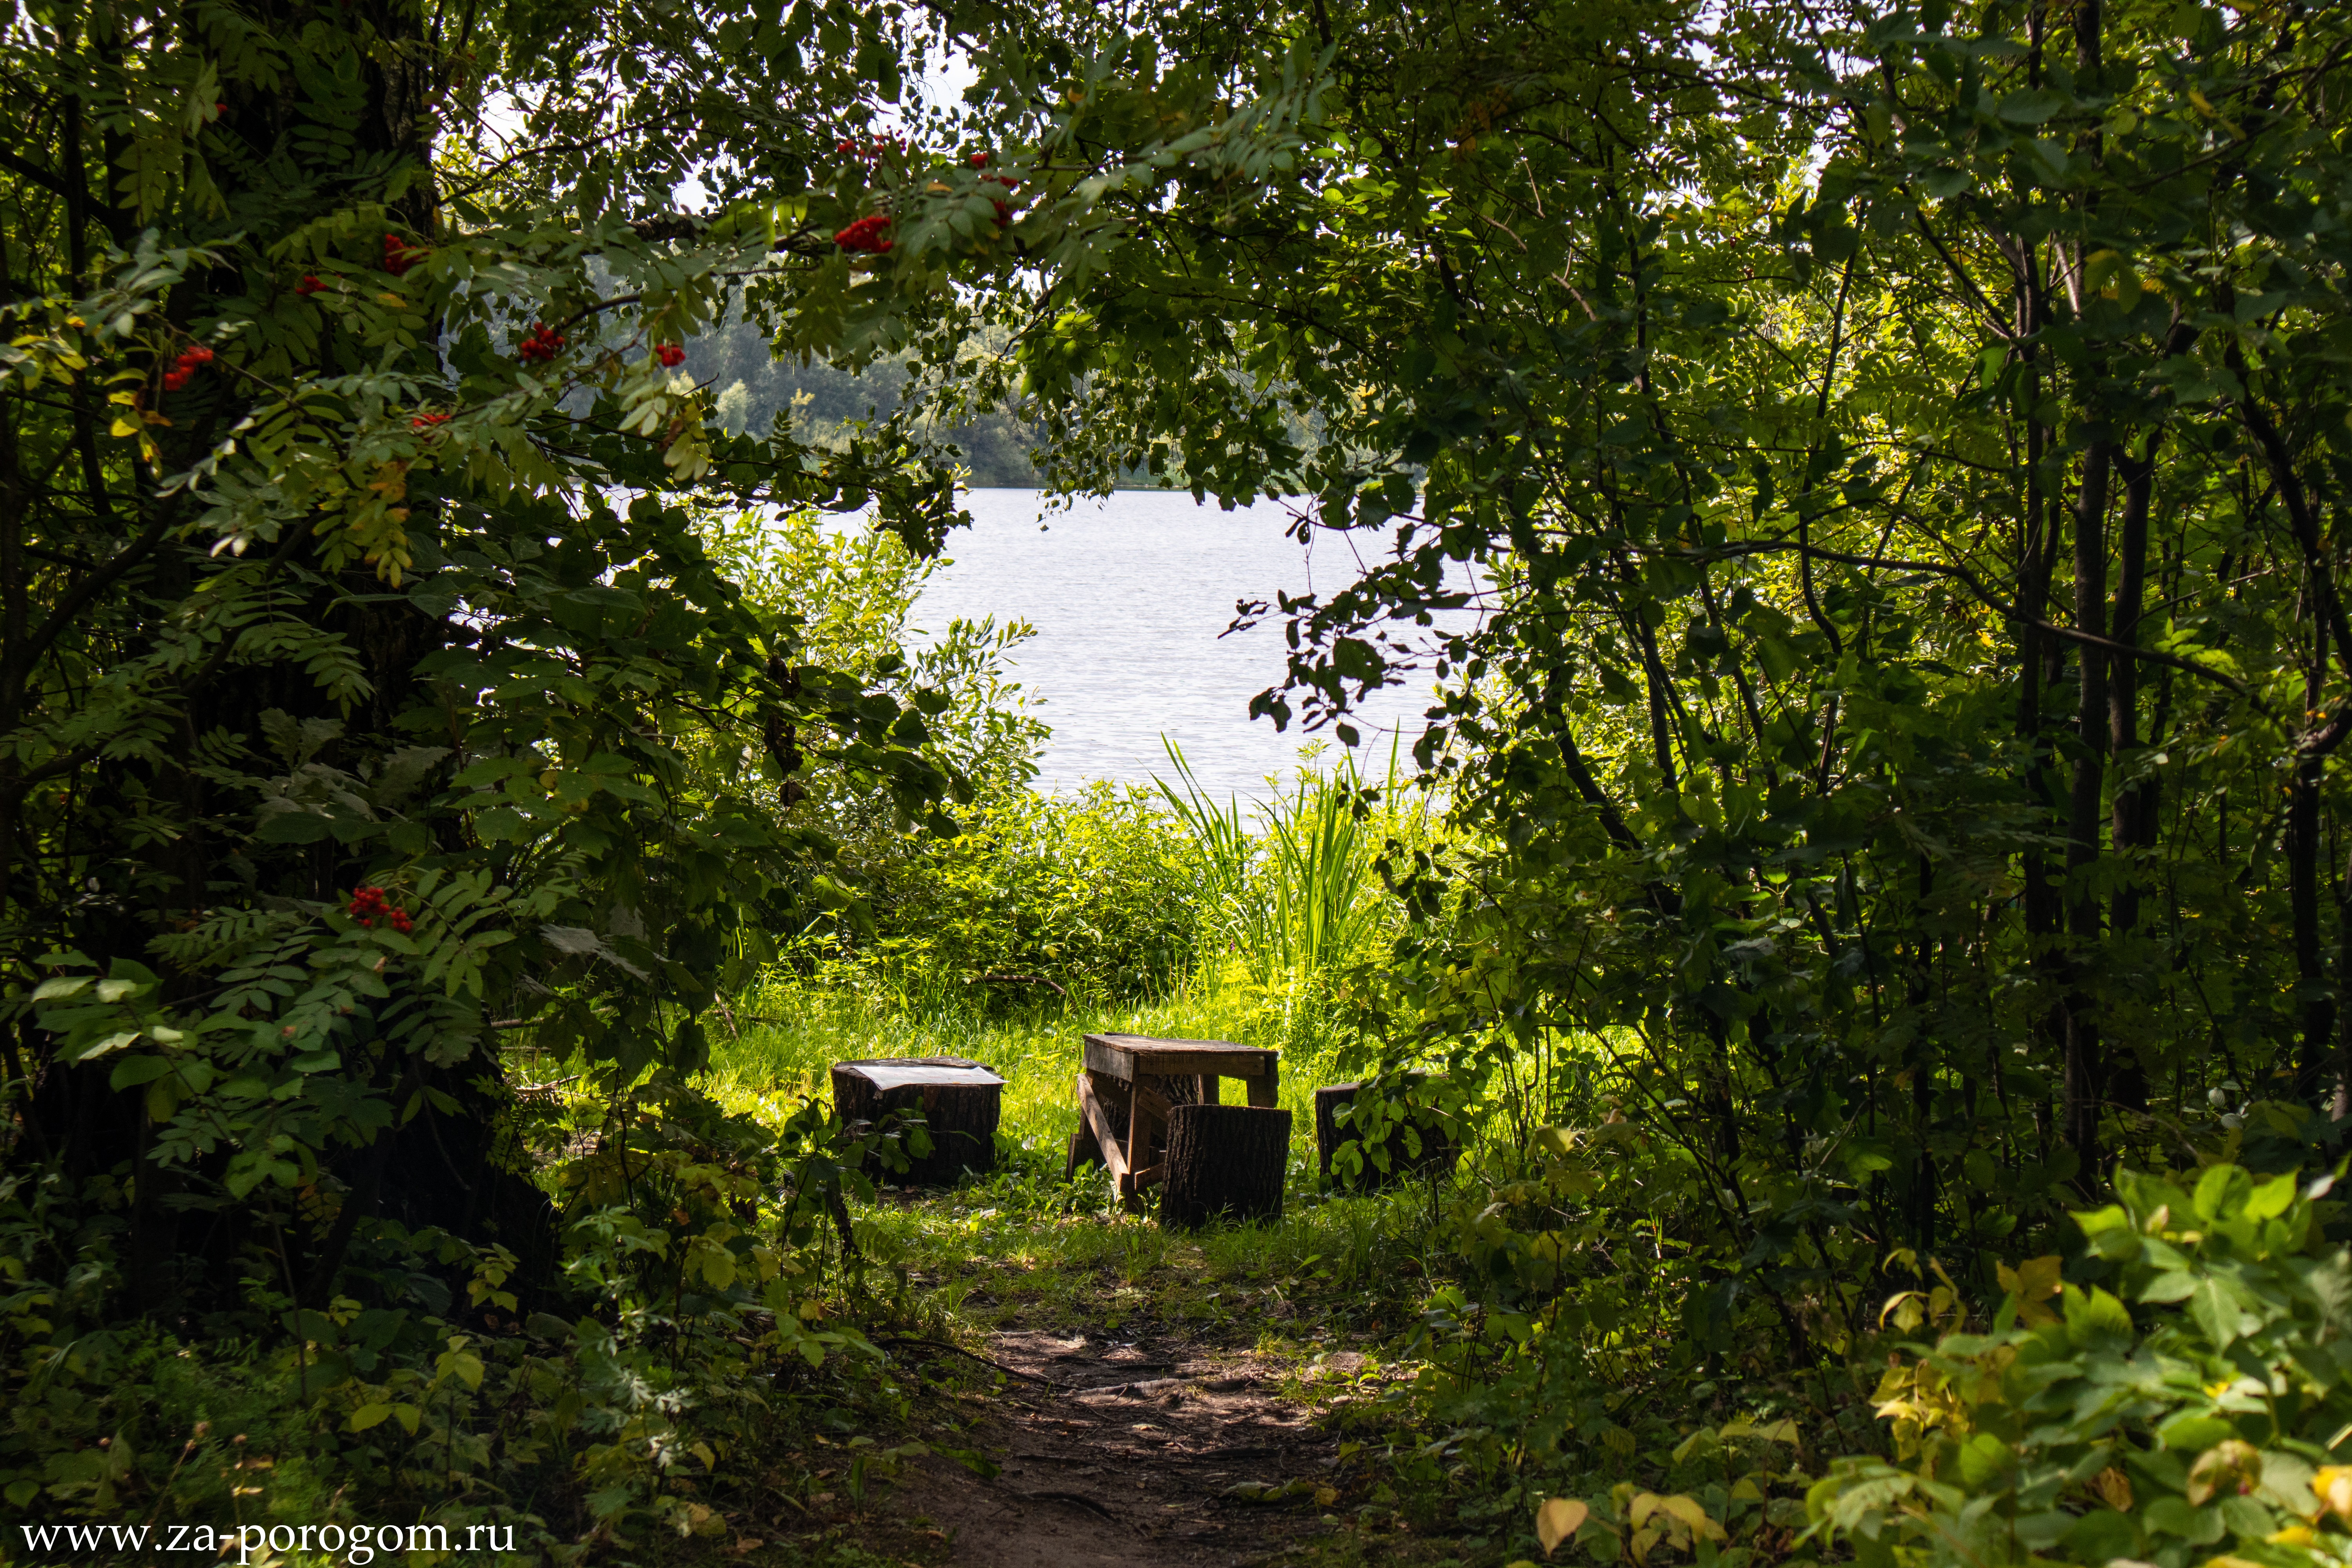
1132	1081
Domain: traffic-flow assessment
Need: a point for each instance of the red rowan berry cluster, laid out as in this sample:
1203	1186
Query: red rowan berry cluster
369	905
671	354
427	421
310	284
543	344
870	149
399	256
185	368
1004	209
870	233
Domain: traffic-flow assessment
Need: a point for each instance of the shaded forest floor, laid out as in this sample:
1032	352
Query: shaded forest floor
1139	1397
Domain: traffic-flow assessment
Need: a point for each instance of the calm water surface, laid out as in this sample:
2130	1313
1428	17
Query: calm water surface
1129	595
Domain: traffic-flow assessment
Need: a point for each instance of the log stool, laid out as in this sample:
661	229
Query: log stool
1223	1161
1439	1147
958	1101
1133	1083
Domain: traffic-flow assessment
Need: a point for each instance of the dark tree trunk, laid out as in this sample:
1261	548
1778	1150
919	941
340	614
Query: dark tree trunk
1223	1159
2133	814
2084	1080
2316	999
2036	554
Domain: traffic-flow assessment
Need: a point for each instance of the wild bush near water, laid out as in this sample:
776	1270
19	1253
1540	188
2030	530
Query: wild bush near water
2180	1391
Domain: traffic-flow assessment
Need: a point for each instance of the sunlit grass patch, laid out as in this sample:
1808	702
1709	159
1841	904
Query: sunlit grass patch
784	1053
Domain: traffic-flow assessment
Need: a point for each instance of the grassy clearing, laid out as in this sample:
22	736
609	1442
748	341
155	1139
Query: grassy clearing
1326	1294
774	1061
1023	1248
1024	1251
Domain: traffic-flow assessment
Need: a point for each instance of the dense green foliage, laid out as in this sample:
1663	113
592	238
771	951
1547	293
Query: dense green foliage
370	693
2203	1422
1897	769
1902	441
1894	786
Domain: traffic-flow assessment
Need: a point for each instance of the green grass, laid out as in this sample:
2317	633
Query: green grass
1038	1052
1023	1248
1020	1250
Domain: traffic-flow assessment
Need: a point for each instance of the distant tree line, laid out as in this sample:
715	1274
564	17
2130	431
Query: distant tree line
753	387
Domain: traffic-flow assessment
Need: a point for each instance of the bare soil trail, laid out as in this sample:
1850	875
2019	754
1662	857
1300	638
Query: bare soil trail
1123	1453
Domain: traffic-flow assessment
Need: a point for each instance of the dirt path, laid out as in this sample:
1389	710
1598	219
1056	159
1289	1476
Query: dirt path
1122	1452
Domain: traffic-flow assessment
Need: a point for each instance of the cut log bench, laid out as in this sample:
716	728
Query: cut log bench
1440	1149
1149	1112
959	1101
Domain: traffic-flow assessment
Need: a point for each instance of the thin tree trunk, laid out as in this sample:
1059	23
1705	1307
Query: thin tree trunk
2134	808
2313	992
2083	1088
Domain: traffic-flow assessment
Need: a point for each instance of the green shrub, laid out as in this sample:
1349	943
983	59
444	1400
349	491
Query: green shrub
2174	1400
1089	894
701	1323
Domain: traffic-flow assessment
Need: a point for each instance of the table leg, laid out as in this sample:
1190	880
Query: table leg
1265	1089
1099	1119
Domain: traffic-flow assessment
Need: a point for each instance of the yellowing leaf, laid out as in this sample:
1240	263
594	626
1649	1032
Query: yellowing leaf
1692	1514
2032	1282
1558	1519
2229	1468
2333	1485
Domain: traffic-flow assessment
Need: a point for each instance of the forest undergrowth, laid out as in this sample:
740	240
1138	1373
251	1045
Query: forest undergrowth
1868	482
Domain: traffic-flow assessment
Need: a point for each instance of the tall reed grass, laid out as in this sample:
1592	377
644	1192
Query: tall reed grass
1295	893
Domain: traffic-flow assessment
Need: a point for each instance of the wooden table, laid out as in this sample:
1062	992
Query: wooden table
1132	1081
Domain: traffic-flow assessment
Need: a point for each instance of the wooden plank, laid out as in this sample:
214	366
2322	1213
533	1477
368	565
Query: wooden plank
1150	1176
1106	1137
1128	1057
1150	1098
1146	1127
1265	1090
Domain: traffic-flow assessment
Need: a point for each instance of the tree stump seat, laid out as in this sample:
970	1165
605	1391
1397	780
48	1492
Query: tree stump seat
1224	1161
1133	1087
1439	1145
959	1102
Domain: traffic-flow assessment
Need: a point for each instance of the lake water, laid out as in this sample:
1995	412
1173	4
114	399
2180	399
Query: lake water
1129	595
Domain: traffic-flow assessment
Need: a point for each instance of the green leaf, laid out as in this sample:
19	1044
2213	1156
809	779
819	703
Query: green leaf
133	1070
2215	1190
2030	105
2193	1431
2270	1199
2216	1313
2096	1320
293	827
